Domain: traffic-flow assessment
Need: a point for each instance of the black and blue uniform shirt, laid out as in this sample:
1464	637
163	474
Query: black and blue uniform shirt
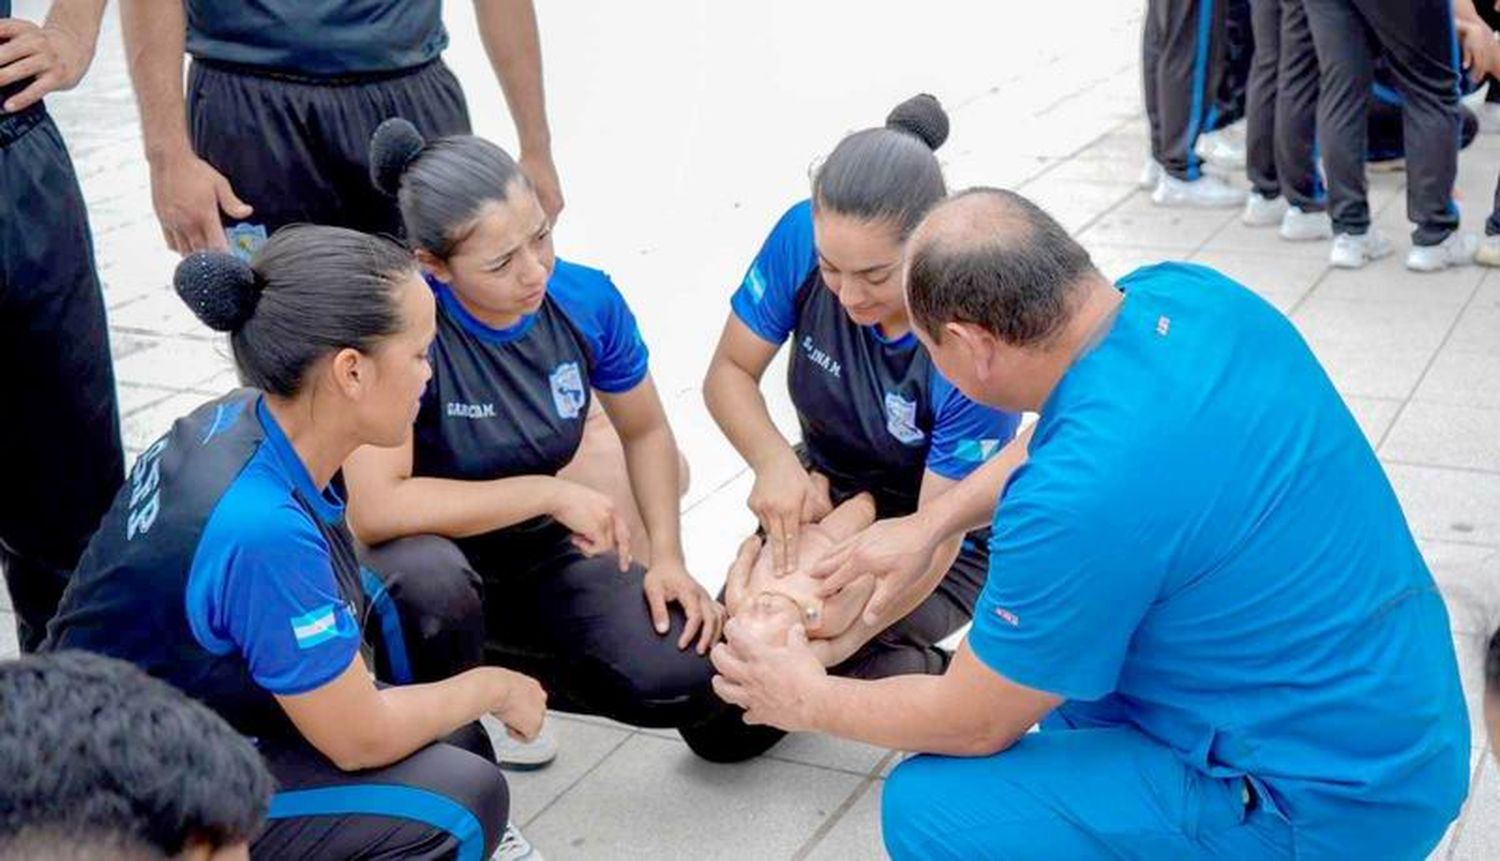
513	401
221	569
875	413
317	38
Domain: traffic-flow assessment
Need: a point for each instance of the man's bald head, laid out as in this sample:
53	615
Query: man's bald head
992	258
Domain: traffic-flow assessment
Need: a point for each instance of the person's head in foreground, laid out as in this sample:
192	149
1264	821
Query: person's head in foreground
99	760
1002	296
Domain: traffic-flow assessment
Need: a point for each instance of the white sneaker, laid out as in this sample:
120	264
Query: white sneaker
1489	251
1353	252
1457	250
1221	150
515	847
1299	226
1263	211
1150	175
1489	116
1205	192
517	755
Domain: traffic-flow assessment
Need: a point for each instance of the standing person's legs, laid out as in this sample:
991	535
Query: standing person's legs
1086	793
60	438
297	150
1150	59
1297	112
1422	50
1187	76
444	801
1261	132
1342	40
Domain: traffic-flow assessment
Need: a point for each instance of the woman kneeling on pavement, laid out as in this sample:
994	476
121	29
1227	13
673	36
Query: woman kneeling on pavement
224	566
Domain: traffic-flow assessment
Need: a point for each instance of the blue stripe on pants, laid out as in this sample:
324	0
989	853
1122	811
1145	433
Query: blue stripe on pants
400	802
390	627
1200	84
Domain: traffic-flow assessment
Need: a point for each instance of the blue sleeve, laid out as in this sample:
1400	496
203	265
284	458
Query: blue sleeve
766	300
964	434
596	307
1068	583
262	584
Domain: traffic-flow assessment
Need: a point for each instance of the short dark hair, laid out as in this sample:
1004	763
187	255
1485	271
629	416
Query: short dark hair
98	759
309	291
889	173
441	186
1015	273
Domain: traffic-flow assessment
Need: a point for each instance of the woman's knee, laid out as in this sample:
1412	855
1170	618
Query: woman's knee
428	575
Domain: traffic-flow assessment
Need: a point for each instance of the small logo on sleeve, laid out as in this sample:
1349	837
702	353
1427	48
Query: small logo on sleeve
329	622
755	282
901	419
1163	325
976	450
245	239
1008	617
568	392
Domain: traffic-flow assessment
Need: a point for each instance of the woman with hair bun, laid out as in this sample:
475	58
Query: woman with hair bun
224	566
471	514
878	422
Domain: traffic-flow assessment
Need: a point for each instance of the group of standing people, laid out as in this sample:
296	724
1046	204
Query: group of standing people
1333	86
413	513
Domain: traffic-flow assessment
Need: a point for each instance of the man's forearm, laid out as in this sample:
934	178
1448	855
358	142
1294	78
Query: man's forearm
155	35
509	32
916	713
970	503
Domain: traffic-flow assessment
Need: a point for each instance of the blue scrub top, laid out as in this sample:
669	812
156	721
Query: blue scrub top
1203	546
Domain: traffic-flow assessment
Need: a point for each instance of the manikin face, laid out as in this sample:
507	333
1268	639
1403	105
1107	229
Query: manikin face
501	267
861	263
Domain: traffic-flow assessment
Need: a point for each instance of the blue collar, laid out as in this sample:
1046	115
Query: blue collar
455	309
326	502
900	343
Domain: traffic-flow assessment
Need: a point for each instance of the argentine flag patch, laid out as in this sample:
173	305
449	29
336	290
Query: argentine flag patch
756	282
321	625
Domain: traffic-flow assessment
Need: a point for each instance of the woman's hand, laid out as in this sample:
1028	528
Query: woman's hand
520	703
669	581
775	683
597	527
783	495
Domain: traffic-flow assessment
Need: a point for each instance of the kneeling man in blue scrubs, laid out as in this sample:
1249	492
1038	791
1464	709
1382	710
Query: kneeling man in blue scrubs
1201	584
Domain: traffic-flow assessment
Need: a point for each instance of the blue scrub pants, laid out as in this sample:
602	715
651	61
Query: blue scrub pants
1074	793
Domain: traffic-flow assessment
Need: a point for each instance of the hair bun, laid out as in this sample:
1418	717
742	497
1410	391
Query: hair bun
395	144
923	116
220	288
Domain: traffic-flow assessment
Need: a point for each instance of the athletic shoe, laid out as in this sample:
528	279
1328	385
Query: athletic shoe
515	847
1353	252
517	755
1150	175
1457	250
1489	251
1205	192
1299	226
1263	211
1222	151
